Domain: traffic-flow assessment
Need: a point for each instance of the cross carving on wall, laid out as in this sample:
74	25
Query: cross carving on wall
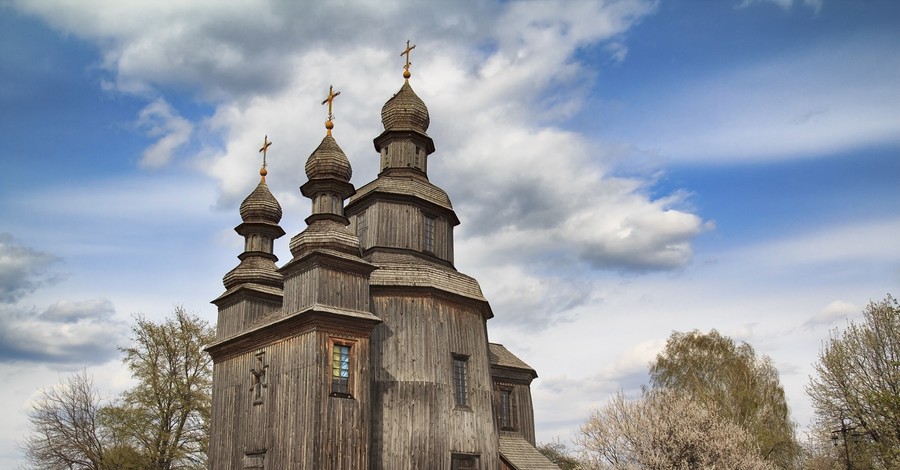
259	379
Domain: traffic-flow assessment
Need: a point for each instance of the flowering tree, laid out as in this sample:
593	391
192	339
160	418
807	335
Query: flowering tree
664	430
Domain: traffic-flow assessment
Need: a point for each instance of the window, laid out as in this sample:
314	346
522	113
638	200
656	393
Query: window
507	416
428	234
460	384
340	370
464	462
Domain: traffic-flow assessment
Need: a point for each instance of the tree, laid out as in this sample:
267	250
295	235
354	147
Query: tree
167	413
729	379
558	453
665	430
857	383
160	424
66	432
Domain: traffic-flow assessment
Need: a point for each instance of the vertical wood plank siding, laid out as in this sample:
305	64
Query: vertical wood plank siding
417	424
317	284
238	316
392	224
298	423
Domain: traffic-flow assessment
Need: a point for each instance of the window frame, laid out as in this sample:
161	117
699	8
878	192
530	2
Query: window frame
507	410
337	389
460	379
429	224
471	461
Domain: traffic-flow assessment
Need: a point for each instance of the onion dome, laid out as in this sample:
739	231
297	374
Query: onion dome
328	161
405	111
260	206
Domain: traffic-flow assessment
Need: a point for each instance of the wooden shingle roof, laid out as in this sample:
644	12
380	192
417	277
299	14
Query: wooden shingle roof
523	456
408	186
501	357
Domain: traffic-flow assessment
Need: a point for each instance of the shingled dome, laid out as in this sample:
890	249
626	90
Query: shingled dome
261	206
328	161
405	111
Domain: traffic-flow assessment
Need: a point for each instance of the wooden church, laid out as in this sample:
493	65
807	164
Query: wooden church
368	349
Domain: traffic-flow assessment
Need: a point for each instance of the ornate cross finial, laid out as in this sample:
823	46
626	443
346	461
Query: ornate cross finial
329	124
263	150
406	52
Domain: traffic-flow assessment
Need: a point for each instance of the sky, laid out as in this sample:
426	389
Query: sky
622	170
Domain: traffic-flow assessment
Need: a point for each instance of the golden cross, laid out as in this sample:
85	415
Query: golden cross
330	99
406	73
265	148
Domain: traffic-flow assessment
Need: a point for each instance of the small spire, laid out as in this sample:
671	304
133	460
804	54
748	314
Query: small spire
265	148
329	124
406	52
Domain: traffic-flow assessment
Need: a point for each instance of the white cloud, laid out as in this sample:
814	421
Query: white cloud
831	314
508	72
541	206
160	121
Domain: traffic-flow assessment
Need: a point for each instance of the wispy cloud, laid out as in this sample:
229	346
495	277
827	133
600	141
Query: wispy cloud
803	104
831	314
815	5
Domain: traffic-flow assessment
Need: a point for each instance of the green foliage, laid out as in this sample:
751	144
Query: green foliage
858	380
160	424
167	414
729	379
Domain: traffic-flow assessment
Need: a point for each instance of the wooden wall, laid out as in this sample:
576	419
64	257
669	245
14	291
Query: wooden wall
234	317
298	424
523	409
314	283
395	224
416	421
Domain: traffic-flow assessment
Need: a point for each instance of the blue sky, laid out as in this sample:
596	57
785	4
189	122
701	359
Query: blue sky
621	169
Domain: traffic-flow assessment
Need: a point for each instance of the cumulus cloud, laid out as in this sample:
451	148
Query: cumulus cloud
160	121
23	270
500	80
68	333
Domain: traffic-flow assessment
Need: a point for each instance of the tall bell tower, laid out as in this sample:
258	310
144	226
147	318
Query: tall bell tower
431	383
